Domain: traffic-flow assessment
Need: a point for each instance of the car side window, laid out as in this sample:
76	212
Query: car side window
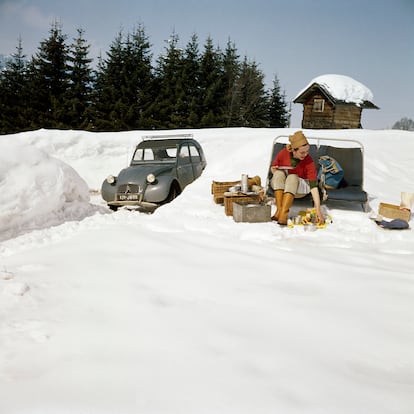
172	152
184	155
195	155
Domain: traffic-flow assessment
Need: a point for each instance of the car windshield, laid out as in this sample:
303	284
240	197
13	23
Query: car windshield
156	153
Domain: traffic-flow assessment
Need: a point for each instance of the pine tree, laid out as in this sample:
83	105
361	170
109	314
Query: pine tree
78	96
170	82
107	95
13	97
58	88
191	84
278	113
253	96
231	74
49	81
212	87
140	79
124	85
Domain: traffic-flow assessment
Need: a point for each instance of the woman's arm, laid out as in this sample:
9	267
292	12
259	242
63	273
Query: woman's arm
317	204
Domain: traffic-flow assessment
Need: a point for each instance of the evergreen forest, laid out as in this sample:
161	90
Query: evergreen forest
59	87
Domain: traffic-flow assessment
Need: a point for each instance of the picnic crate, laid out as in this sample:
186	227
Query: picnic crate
394	212
230	198
251	212
218	188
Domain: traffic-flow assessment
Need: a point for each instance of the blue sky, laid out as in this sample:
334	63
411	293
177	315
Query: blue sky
371	41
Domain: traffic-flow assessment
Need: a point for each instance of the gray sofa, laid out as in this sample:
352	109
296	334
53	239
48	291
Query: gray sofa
349	154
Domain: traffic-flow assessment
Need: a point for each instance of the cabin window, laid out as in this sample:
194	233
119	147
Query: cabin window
318	105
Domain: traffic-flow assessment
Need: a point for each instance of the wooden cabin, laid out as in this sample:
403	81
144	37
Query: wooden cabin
334	102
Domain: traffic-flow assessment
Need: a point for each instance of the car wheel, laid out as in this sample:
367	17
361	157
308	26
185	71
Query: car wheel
113	208
174	192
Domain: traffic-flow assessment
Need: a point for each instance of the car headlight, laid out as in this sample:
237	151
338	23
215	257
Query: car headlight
110	179
151	178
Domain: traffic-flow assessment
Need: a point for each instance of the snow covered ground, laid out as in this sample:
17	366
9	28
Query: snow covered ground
187	312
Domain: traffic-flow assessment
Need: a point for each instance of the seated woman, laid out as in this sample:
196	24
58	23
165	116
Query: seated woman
294	175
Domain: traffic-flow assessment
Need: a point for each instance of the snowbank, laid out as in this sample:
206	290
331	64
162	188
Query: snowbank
185	311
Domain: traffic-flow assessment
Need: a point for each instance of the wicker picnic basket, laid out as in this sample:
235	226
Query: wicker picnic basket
218	188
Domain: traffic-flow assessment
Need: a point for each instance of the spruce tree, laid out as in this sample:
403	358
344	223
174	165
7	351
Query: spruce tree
108	90
124	85
191	84
231	74
13	95
140	81
253	96
170	82
278	112
49	81
212	86
58	88
78	96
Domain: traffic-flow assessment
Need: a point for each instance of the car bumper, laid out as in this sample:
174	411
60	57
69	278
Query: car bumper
145	205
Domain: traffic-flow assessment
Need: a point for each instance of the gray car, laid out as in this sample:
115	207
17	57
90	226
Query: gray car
160	169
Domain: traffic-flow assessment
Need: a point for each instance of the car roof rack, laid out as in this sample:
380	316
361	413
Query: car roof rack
168	136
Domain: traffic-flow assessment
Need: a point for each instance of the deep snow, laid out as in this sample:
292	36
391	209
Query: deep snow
186	311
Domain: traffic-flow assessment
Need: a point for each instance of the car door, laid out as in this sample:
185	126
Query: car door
196	161
185	172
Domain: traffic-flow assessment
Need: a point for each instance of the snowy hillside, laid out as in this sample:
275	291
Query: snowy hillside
186	311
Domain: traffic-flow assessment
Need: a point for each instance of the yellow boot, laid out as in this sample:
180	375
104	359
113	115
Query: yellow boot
286	204
278	198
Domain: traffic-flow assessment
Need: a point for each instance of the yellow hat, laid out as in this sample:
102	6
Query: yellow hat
297	140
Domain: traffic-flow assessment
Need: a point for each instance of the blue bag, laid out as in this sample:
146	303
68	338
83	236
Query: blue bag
330	172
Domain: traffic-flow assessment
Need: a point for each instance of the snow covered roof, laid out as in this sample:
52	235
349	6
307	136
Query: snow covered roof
341	89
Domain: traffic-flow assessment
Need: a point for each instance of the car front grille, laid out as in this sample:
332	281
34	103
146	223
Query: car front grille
129	188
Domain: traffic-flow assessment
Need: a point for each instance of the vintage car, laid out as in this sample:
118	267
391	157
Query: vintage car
161	167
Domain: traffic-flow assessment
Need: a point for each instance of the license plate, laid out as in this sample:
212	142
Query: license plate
128	197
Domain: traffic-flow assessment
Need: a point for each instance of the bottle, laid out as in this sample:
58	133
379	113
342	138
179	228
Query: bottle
244	184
